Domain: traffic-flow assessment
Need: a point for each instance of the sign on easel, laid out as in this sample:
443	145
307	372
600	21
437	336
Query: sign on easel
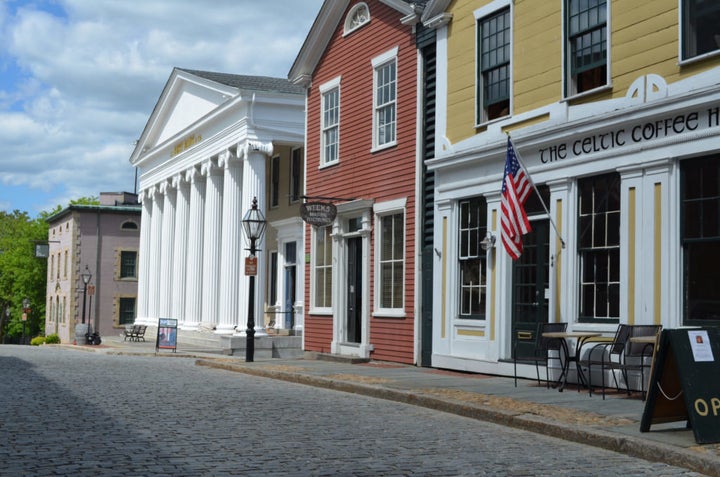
683	383
166	334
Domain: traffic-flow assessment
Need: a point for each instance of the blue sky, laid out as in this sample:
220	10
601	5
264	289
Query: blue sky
79	79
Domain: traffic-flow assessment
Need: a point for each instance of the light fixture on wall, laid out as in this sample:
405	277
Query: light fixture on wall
488	242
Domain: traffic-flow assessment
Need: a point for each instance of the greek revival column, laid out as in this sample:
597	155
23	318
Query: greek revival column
253	186
231	244
211	243
180	255
168	248
155	250
193	298
144	258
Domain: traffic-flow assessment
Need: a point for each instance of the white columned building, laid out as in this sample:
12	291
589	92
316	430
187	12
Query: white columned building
202	159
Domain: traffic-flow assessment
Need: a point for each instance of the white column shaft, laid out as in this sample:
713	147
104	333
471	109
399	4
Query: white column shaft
180	255
193	303
231	246
254	187
155	247
211	244
144	259
167	252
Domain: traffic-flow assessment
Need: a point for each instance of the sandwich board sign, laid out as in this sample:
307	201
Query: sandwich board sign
166	334
684	384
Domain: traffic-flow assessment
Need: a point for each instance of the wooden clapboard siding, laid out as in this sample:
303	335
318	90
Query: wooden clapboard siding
384	175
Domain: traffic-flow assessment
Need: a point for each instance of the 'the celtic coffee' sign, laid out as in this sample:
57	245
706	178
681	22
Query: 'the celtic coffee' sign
319	214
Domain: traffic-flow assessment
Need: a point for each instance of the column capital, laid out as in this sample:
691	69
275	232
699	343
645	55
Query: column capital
177	180
209	167
193	175
254	145
165	187
226	159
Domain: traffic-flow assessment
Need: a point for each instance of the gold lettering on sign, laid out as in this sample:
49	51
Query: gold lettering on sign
186	144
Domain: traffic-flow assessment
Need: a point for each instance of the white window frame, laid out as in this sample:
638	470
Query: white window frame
683	26
384	209
569	84
485	11
314	308
378	63
331	86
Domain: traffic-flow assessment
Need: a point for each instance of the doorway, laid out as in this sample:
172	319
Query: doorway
354	290
531	287
289	293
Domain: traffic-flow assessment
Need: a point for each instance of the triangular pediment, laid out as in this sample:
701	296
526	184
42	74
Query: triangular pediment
186	99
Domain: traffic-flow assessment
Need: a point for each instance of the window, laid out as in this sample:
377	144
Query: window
494	66
586	33
62	312
65	264
275	181
358	16
296	172
385	97
473	260
126	312
128	264
322	267
700	34
700	233
599	247
129	225
392	260
330	123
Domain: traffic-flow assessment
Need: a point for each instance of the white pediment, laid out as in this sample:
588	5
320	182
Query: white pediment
185	100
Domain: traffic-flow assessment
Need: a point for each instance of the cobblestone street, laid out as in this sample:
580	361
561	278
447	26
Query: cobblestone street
69	412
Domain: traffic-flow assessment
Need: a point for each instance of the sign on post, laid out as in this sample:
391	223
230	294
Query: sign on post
166	334
251	266
683	382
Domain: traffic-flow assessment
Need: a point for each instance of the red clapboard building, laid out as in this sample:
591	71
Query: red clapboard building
359	66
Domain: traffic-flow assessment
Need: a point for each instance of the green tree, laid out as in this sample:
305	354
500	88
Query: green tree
22	275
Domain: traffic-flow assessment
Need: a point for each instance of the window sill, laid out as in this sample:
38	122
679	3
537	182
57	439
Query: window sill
389	313
383	147
584	94
329	164
698	58
321	311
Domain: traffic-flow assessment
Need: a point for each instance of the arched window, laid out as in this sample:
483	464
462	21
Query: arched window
358	16
129	225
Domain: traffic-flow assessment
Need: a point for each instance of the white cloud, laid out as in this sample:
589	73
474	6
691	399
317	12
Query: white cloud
91	72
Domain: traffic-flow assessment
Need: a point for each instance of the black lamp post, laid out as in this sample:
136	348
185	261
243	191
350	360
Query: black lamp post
254	226
86	276
26	310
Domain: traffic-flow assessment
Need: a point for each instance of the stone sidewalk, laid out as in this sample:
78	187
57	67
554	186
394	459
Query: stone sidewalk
573	415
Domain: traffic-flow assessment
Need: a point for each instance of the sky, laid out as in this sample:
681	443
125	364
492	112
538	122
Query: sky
79	80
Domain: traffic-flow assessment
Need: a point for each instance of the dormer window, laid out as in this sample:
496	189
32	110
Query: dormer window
358	16
129	225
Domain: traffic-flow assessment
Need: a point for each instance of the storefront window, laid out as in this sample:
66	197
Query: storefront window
599	248
322	268
700	197
473	260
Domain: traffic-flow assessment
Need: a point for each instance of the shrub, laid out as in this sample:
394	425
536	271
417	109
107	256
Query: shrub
52	339
37	341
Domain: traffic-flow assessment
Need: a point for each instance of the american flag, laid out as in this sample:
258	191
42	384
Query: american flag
516	188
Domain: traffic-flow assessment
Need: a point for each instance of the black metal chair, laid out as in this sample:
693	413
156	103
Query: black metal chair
531	347
633	358
606	353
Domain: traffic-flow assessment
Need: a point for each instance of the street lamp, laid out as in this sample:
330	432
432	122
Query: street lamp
86	276
254	226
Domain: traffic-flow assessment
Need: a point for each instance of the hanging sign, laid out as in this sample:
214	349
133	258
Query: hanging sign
319	214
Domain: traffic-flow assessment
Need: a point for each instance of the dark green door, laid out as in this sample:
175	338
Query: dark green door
354	290
530	289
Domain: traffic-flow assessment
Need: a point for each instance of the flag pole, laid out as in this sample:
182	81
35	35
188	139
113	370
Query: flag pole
532	182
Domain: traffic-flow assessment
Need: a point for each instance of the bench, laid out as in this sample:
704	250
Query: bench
135	333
